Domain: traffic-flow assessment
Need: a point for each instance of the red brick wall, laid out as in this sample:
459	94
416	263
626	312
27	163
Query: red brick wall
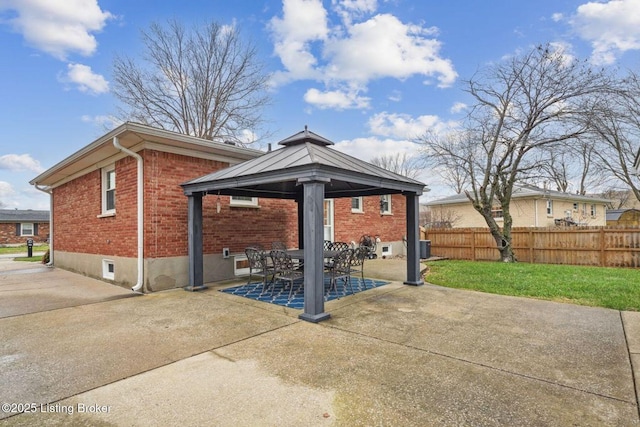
77	205
350	226
233	228
8	234
78	227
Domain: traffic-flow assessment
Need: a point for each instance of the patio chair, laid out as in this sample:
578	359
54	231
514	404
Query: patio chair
280	246
258	266
327	245
357	261
340	269
340	246
286	269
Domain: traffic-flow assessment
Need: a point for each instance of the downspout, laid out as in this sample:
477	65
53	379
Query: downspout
138	286
37	186
535	212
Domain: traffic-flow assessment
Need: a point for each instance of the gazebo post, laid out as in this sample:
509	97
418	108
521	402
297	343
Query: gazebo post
196	264
313	213
413	243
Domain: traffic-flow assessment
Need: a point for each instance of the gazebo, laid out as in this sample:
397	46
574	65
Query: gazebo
307	171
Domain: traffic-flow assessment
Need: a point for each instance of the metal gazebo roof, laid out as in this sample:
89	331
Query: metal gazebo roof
304	156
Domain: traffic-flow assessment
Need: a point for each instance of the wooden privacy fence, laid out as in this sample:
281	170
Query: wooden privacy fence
600	246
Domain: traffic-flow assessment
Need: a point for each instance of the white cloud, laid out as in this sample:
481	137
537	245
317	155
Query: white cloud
20	163
355	51
458	107
404	126
336	99
304	22
85	79
612	28
557	17
6	190
58	27
368	148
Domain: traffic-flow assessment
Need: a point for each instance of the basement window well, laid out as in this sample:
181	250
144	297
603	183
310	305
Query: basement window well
108	269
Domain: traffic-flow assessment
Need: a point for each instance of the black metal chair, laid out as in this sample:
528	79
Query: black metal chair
327	245
258	266
340	269
286	270
357	261
280	246
340	246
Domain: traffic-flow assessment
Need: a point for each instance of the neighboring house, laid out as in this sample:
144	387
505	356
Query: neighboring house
623	217
96	211
17	226
530	207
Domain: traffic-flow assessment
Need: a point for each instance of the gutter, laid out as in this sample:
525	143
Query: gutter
140	200
48	191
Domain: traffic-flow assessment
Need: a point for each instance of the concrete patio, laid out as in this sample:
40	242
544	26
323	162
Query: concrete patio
83	352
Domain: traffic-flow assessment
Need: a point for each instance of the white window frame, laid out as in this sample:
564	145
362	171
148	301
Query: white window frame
495	210
360	207
22	229
105	172
594	210
549	207
243	202
106	274
385	198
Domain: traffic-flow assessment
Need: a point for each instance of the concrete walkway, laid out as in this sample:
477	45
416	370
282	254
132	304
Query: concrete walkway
86	354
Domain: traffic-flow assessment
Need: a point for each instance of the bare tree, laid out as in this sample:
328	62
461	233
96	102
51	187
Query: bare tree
570	167
401	163
616	128
205	82
529	102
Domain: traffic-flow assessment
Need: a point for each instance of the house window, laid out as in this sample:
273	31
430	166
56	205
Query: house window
385	204
108	269
109	190
356	205
593	211
27	229
575	207
243	201
549	207
584	209
496	212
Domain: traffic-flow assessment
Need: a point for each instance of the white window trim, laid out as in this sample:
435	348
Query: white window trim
106	274
389	209
105	170
360	209
33	229
549	209
253	203
594	210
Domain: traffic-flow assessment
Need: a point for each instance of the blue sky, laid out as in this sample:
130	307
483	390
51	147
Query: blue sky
369	75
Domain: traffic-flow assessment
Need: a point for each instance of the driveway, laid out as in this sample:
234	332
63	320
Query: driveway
76	351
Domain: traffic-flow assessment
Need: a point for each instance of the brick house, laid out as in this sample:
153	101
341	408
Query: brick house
16	226
97	209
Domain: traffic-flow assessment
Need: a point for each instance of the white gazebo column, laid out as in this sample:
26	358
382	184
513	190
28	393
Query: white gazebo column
313	214
196	264
413	242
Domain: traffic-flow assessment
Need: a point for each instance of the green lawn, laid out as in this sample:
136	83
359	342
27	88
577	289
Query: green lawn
617	288
19	250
